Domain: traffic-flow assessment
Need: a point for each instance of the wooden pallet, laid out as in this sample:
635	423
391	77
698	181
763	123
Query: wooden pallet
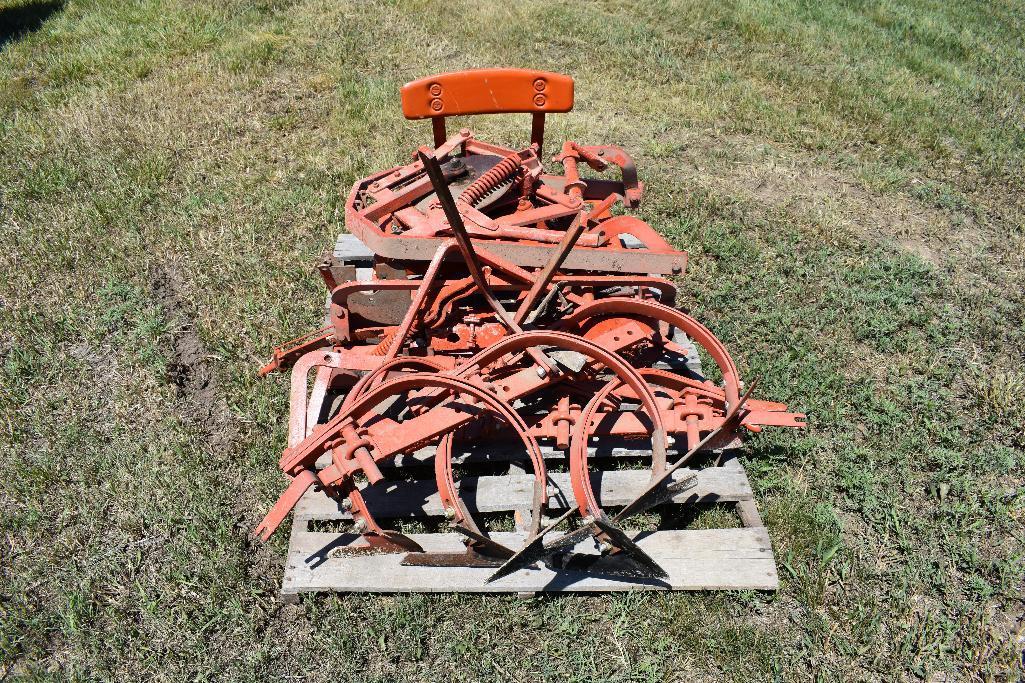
695	559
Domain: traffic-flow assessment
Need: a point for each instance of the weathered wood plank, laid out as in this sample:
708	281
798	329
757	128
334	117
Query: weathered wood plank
713	559
515	491
748	511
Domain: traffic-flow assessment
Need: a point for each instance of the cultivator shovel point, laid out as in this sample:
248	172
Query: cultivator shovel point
504	301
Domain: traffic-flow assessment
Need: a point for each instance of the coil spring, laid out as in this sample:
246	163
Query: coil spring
480	187
383	345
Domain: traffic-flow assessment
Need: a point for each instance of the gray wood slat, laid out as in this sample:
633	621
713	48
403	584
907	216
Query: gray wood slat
707	559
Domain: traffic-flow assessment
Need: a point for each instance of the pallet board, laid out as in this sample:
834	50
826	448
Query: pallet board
695	559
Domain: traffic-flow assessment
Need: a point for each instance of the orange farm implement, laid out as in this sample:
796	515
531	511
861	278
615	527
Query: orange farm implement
482	300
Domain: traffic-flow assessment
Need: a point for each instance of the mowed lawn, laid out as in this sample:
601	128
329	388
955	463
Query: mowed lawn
847	177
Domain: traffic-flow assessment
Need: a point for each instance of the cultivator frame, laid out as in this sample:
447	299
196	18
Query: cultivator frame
495	301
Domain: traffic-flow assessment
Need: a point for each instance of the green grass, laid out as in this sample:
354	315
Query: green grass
847	177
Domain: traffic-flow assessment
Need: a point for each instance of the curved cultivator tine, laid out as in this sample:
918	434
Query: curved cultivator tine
627	546
524	557
628	560
481	551
654	493
485	545
533	551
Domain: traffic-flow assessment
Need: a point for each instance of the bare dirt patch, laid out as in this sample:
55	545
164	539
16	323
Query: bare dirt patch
190	370
921	250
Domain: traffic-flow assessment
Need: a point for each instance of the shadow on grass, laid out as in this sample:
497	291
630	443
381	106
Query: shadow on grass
25	18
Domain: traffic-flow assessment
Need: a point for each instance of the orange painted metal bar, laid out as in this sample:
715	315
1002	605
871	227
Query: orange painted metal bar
487	91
